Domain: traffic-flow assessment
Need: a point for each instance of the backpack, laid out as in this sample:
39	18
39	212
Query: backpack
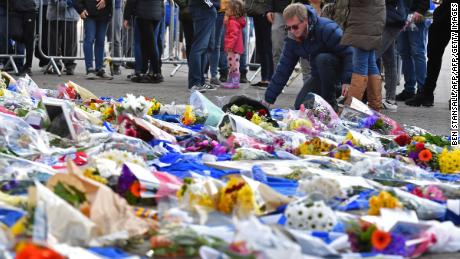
337	12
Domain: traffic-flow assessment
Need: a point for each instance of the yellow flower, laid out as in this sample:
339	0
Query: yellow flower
1	92
419	139
93	106
256	119
188	118
449	161
383	200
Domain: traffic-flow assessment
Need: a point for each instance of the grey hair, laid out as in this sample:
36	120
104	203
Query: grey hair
295	10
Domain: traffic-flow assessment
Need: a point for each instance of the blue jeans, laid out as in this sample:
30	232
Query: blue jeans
204	20
412	48
215	57
95	31
364	62
138	69
329	74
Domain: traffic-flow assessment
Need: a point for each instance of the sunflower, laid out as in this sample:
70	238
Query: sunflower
380	239
425	155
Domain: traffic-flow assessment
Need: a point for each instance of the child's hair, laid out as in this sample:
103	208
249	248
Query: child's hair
236	8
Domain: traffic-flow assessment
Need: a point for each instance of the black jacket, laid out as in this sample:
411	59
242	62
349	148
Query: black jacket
144	9
90	7
278	6
419	6
23	5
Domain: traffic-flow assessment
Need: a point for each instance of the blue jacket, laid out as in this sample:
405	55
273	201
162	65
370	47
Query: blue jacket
324	36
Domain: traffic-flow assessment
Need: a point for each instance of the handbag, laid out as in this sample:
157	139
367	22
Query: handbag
396	15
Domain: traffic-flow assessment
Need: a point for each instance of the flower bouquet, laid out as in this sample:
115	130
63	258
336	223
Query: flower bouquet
204	108
252	110
319	112
316	146
310	215
449	161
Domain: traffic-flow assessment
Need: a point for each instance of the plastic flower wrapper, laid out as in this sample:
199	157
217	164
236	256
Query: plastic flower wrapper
168	127
19	138
38	118
362	142
252	110
136	106
319	111
430	192
251	154
272	242
110	162
16	103
307	214
363	117
27	87
425	209
239	140
318	185
206	108
140	128
77	92
232	123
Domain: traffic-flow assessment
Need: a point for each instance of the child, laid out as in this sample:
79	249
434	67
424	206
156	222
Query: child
233	43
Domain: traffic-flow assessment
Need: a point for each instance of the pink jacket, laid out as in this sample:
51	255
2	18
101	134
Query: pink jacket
234	34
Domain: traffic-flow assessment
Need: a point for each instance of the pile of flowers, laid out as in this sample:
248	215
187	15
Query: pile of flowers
383	200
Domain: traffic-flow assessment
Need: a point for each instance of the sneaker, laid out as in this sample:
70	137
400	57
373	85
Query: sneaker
214	81
390	105
198	88
91	74
209	87
103	75
404	95
158	78
138	78
223	76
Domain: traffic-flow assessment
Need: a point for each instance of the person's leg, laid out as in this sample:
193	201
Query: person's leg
359	78
329	69
264	47
29	33
231	61
306	69
417	41
408	69
215	54
139	67
389	64
3	34
116	41
374	87
203	24
90	36
101	32
278	36
390	34
312	85
243	57
146	31
43	37
188	35
70	46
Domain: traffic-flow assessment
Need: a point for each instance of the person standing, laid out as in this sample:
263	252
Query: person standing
412	48
148	14
438	39
204	19
63	19
96	15
235	21
22	28
363	31
114	35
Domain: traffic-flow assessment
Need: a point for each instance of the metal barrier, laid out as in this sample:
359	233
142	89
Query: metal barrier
9	50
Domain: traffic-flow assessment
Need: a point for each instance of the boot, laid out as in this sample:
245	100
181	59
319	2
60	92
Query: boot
236	80
374	92
230	81
357	88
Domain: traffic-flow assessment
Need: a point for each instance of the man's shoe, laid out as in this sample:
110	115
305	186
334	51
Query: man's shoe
70	71
404	95
243	79
159	77
103	75
91	74
223	76
198	88
209	87
421	99
214	81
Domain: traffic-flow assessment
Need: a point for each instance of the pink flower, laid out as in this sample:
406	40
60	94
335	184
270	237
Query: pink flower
434	193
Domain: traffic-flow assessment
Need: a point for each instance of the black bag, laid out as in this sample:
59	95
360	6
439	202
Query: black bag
396	15
256	7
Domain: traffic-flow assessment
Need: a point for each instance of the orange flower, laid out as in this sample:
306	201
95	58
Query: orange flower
425	155
380	239
135	189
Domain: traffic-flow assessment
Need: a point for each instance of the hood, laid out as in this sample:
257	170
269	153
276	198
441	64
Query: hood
312	20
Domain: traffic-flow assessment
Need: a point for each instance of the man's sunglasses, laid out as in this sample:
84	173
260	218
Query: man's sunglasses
293	27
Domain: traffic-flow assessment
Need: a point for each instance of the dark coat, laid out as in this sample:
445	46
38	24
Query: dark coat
323	37
23	5
278	6
90	7
365	23
144	9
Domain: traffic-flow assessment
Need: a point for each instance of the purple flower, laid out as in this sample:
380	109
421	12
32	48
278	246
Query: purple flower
396	247
413	155
369	121
125	180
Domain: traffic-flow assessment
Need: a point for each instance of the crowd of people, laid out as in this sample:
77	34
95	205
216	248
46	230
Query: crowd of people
343	46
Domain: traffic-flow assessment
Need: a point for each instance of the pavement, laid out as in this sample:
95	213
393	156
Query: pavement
174	89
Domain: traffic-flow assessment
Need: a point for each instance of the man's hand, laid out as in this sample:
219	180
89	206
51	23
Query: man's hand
126	24
417	18
266	103
100	4
84	14
345	88
270	17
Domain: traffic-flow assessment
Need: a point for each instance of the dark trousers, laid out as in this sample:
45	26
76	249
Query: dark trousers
147	40
323	84
44	38
25	23
63	41
187	27
438	38
264	53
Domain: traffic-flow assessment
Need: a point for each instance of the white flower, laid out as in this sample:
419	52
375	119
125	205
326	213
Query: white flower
136	105
234	108
328	188
306	216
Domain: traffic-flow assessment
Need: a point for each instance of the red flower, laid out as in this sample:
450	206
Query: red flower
380	239
425	155
420	146
262	112
417	192
249	115
131	132
135	189
402	140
